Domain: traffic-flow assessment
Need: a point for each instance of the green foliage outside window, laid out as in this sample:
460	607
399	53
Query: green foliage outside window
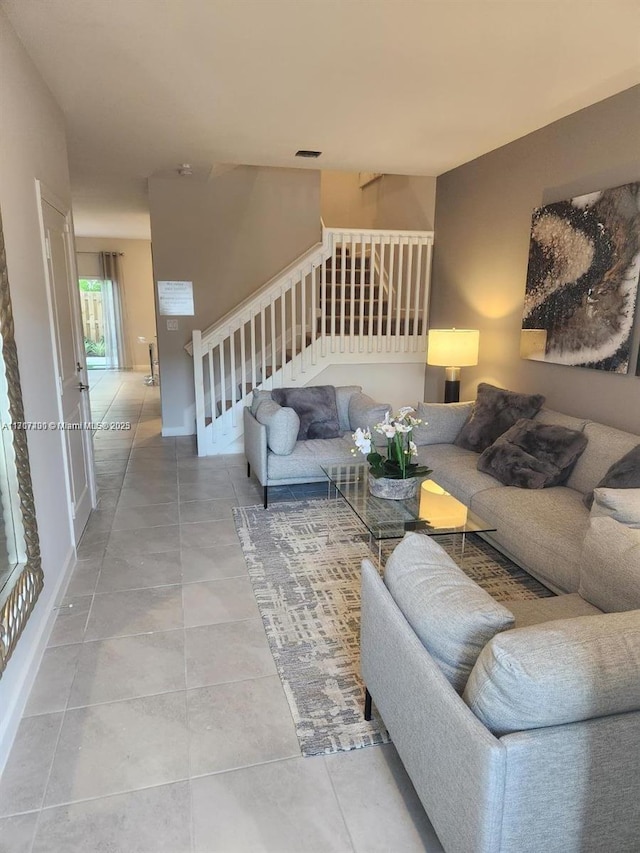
95	348
91	285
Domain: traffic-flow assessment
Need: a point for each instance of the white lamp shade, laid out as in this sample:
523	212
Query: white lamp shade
453	347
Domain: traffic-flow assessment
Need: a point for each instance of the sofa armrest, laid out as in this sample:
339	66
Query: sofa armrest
451	757
574	787
255	446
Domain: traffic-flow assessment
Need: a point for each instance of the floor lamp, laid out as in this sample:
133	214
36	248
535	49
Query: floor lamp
452	349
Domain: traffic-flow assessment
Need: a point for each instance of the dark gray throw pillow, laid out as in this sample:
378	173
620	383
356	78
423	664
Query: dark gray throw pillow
494	411
623	474
533	455
315	406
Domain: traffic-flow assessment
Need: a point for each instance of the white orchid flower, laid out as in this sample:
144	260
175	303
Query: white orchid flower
413	448
404	411
386	429
362	439
403	428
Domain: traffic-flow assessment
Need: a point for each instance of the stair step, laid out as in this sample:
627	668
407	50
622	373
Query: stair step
394	327
370	306
347	290
348	277
349	262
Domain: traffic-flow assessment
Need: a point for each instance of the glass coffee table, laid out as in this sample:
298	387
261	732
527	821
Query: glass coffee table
434	511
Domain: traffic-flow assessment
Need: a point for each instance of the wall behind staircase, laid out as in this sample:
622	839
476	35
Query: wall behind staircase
229	235
392	201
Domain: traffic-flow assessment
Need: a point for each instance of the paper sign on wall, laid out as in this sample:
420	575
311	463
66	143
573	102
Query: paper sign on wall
175	298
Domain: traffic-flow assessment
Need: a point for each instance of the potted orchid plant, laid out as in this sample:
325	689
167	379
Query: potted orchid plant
394	476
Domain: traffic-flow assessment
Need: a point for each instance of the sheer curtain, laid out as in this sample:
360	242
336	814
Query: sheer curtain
117	349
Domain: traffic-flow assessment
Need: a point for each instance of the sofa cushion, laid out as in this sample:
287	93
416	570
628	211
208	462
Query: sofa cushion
365	412
316	407
533	455
557	673
534	611
606	446
610	570
282	426
455	470
304	461
453	617
441	422
541	530
343	394
623	474
494	411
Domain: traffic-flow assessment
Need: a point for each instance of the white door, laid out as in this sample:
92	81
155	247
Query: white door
73	388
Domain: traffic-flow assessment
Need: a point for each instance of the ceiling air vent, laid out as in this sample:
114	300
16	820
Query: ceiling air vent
304	153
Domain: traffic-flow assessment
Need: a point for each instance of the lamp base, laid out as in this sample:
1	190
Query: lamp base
452	385
452	391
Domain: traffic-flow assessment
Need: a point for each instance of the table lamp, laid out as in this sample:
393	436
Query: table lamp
453	349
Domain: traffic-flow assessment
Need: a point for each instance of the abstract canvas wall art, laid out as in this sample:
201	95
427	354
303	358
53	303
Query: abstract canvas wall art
582	280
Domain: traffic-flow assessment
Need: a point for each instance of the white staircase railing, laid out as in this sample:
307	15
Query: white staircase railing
359	292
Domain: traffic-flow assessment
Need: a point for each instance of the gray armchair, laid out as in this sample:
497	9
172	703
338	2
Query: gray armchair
276	457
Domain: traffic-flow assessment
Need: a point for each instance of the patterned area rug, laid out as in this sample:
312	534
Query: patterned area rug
304	563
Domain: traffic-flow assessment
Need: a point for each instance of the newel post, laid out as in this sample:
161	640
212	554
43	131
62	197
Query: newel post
198	382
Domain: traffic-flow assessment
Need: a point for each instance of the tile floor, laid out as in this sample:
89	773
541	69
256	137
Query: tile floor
157	722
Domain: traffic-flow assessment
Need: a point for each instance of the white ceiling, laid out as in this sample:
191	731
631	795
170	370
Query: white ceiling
404	86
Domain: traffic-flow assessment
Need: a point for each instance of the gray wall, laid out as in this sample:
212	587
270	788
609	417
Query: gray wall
483	220
229	235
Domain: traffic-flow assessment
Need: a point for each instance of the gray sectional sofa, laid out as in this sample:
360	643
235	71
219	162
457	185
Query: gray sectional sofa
535	746
541	530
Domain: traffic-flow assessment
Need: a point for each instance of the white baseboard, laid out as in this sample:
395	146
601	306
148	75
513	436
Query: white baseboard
167	432
12	713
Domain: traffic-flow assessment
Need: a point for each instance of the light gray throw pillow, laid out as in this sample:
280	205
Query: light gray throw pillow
621	504
623	474
441	422
344	393
259	396
282	426
453	617
556	673
364	412
610	561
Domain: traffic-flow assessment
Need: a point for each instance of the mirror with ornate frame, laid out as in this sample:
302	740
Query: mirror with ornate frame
21	577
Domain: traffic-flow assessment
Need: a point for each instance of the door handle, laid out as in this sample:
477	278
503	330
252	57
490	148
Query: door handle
82	387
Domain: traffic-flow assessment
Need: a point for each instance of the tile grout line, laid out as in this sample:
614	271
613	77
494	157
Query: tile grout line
64	712
340	809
